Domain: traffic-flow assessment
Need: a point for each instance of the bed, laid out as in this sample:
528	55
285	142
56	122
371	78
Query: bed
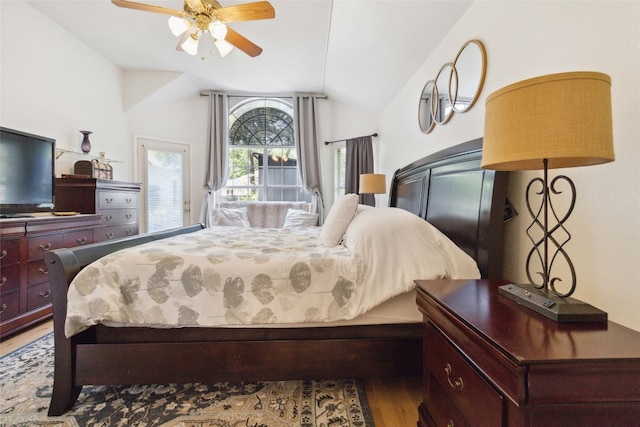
447	189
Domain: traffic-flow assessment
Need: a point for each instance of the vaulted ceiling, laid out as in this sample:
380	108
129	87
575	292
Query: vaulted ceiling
357	52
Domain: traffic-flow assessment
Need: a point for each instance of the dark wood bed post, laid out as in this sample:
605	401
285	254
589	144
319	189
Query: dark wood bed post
64	392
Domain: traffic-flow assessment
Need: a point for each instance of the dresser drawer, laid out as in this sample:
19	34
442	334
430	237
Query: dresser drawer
9	278
116	200
39	245
37	272
460	382
118	216
38	295
115	232
10	305
9	252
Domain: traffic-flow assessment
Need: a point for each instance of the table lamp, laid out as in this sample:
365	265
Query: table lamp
372	183
553	121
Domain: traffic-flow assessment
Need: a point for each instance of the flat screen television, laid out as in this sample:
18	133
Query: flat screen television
27	173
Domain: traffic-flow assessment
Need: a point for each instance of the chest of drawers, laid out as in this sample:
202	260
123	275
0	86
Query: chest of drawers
115	201
488	361
25	292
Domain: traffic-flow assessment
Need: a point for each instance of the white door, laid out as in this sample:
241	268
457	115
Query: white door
163	168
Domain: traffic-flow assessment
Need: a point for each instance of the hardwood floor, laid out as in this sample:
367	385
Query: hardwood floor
393	401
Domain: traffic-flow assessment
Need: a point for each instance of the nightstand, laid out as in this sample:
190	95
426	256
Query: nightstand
491	362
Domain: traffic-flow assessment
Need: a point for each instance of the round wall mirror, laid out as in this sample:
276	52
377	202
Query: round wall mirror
441	104
425	117
470	68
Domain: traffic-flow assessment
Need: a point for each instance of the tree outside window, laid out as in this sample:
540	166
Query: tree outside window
262	153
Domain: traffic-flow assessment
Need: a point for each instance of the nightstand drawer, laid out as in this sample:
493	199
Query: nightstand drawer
442	410
476	399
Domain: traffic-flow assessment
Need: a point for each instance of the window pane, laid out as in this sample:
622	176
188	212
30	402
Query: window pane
164	204
262	154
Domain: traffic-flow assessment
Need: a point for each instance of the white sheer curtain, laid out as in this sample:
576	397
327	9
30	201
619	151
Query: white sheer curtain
217	152
306	138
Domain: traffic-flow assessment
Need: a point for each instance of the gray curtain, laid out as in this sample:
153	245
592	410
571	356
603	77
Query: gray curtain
217	152
359	160
306	139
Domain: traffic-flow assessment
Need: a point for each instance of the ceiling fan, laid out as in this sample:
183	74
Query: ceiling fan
202	16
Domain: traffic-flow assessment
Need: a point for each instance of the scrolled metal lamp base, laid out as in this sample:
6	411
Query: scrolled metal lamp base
543	295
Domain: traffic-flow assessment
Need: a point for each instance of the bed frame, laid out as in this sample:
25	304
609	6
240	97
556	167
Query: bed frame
448	188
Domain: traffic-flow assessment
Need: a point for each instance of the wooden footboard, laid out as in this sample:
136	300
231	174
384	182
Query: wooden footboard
63	265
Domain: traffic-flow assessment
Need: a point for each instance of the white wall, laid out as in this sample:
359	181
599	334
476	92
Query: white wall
528	39
53	84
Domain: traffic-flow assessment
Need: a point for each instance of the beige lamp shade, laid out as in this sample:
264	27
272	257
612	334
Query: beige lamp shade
372	183
565	118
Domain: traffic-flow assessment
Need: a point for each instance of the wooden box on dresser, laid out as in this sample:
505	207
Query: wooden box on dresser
491	362
115	201
25	293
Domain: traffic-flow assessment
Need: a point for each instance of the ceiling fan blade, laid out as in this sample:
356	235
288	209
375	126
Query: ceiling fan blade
246	12
242	43
149	8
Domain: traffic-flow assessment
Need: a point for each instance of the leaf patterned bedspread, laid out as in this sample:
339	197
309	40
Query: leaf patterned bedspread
221	276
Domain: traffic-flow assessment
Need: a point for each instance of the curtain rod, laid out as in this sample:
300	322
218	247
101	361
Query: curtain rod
340	140
263	95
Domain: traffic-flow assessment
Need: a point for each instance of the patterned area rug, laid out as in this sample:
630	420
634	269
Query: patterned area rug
26	380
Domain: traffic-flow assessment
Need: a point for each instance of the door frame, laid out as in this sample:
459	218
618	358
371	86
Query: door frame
137	173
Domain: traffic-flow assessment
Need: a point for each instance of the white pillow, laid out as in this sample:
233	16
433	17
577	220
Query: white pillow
361	208
340	215
230	216
299	218
392	231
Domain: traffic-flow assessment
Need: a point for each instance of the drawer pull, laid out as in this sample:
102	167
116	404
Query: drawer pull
3	253
81	241
45	294
128	216
44	247
455	384
108	235
129	232
128	200
43	271
3	308
108	218
108	200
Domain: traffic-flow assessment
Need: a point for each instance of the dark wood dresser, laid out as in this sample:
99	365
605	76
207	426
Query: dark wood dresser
115	201
491	362
25	292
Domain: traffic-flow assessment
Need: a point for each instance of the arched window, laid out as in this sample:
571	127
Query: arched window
262	153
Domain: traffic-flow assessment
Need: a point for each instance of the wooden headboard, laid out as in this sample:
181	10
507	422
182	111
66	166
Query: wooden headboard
450	190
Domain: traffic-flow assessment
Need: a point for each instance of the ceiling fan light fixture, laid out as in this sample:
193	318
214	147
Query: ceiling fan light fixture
224	47
218	30
190	44
178	25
